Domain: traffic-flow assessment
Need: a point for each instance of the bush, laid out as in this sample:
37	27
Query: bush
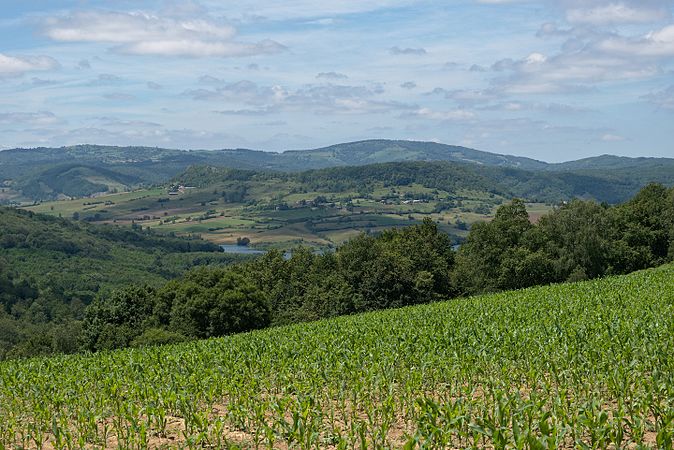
157	336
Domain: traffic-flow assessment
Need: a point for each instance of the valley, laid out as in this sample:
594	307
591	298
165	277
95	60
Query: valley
281	211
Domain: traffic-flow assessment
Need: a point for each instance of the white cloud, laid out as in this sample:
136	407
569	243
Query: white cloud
11	66
39	118
147	34
653	45
115	122
321	12
452	115
616	13
519	106
318	98
572	71
663	99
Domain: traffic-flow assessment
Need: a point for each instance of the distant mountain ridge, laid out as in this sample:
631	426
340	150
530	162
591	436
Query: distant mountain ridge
83	170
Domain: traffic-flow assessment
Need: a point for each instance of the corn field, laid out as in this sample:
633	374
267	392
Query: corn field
587	365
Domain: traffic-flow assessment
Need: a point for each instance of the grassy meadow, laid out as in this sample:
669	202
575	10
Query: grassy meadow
299	220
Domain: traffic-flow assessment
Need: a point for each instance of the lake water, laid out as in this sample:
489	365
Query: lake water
241	249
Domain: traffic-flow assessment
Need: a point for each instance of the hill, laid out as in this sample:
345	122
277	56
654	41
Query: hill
382	151
325	207
51	268
576	365
48	173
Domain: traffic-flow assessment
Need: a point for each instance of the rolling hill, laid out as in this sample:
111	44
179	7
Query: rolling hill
50	268
83	170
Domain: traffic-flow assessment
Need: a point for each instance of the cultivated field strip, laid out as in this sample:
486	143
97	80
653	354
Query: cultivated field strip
587	365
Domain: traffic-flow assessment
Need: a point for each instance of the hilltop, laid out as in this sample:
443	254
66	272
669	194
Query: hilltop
85	170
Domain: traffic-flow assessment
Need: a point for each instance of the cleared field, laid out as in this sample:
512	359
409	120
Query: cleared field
585	365
273	213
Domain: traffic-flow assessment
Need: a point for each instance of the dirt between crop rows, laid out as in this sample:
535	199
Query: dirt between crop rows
336	418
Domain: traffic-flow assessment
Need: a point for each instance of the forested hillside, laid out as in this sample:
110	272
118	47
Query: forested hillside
51	268
83	170
552	187
398	267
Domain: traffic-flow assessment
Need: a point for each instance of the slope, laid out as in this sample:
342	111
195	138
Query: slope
576	365
22	171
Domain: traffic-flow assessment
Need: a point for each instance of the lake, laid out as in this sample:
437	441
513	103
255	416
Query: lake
241	249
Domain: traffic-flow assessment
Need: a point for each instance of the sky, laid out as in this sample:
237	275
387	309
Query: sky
554	80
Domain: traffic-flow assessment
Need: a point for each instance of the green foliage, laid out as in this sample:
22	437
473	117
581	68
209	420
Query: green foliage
72	180
204	303
586	365
157	336
543	186
116	320
398	268
577	241
47	173
215	302
395	268
51	268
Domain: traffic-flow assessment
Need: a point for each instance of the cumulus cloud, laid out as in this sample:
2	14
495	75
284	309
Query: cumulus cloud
318	98
147	34
408	85
568	72
11	66
407	51
595	50
589	12
656	44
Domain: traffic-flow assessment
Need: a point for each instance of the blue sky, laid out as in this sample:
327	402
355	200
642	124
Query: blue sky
548	79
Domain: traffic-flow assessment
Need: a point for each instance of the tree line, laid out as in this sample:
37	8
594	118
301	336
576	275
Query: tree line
52	268
578	240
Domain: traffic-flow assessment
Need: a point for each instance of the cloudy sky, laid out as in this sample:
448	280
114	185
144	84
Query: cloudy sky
549	79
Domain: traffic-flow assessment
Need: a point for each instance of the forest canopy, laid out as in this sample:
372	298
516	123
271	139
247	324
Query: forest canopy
578	240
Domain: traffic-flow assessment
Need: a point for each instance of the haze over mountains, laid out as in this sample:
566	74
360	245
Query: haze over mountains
82	170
